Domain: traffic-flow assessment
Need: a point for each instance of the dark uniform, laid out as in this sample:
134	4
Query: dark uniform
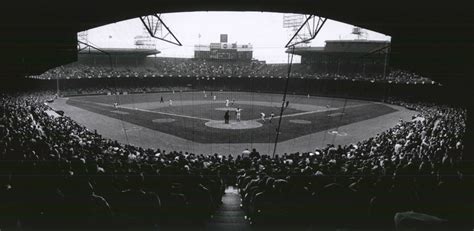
226	117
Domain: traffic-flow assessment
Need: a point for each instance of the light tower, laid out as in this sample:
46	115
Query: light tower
360	33
82	39
83	36
292	22
157	29
145	41
303	27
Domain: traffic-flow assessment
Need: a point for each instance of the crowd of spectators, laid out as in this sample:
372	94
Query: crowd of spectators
415	166
111	90
56	174
202	68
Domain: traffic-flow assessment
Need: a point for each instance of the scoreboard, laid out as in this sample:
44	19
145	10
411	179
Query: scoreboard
224	50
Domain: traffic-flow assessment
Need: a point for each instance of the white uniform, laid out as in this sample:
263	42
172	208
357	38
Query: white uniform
227	103
262	115
215	97
115	105
171	102
238	113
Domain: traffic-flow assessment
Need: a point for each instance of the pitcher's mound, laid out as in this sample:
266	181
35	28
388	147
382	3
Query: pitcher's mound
248	124
225	109
164	120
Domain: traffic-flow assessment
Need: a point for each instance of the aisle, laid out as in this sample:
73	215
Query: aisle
229	216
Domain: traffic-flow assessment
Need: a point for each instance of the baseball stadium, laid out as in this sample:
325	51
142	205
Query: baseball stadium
226	116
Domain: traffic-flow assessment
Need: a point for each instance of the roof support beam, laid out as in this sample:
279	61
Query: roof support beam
312	26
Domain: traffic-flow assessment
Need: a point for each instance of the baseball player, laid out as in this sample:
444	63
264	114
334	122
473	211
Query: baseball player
238	112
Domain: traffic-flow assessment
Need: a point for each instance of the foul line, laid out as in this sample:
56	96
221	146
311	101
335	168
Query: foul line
144	110
325	110
165	113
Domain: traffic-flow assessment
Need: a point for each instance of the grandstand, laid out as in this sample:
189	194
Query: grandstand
100	66
346	56
118	56
345	140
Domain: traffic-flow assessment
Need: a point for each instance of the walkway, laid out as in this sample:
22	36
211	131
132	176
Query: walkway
229	216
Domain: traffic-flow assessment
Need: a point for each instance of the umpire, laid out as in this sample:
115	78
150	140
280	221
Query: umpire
226	117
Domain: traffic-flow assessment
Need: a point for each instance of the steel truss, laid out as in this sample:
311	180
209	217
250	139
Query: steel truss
154	25
312	25
87	45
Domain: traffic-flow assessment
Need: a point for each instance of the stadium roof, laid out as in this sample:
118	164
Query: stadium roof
304	50
357	41
370	46
433	38
122	51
